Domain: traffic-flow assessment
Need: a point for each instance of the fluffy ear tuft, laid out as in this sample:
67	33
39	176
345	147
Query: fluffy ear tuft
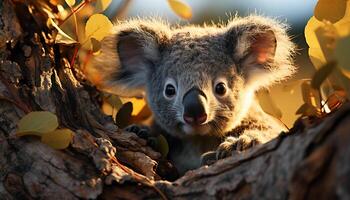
128	55
261	48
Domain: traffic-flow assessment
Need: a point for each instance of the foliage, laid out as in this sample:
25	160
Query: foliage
44	124
327	34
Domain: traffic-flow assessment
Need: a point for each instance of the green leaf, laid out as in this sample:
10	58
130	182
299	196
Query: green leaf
58	139
102	5
181	8
162	145
267	104
322	74
37	123
341	54
70	3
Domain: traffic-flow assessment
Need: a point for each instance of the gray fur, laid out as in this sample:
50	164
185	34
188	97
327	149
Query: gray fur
142	55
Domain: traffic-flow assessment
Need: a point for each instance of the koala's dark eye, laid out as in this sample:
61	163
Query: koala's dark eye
170	90
220	89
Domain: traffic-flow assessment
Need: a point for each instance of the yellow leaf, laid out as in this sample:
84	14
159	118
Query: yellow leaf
61	37
310	35
322	74
36	123
102	5
343	26
58	139
268	105
317	58
330	10
341	54
97	26
181	8
70	3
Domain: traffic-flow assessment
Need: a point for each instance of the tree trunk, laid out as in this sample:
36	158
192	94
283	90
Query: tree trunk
103	161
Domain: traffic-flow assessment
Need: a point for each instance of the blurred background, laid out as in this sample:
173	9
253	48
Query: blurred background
287	95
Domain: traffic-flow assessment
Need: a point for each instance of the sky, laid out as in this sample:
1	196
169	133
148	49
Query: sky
296	12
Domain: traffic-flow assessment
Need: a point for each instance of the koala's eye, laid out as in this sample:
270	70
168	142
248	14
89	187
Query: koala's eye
170	90
220	89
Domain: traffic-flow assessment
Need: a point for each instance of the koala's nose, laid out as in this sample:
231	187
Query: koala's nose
194	107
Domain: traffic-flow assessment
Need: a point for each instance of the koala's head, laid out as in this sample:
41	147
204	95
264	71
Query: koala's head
197	80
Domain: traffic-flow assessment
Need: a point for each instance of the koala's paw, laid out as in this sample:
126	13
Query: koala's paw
143	132
233	145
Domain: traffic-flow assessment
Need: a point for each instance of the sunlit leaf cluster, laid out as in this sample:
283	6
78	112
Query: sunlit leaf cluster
327	34
45	125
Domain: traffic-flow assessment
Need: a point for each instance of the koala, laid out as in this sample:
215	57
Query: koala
199	81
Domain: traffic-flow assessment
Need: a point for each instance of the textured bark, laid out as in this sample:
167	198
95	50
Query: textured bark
35	74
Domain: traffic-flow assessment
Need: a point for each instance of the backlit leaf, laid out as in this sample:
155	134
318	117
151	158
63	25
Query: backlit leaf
70	3
341	54
102	5
267	104
310	34
36	123
317	57
61	37
58	139
181	8
97	26
330	10
310	96
322	74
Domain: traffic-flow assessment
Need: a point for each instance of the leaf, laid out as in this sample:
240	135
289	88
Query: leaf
102	5
341	54
322	74
137	103
181	8
330	10
61	37
58	139
307	110
96	46
144	114
162	145
36	123
70	3
310	95
310	35
97	26
317	57
123	117
268	105
114	101
336	99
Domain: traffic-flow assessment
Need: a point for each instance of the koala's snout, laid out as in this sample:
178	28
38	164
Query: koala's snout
194	107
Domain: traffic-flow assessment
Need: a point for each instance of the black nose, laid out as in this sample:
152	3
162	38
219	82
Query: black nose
194	112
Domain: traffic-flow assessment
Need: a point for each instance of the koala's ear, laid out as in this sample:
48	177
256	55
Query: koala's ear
128	56
261	49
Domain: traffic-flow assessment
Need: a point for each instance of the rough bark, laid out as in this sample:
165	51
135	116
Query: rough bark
35	75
